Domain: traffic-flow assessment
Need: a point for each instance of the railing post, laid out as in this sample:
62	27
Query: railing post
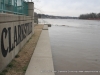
15	6
3	8
22	5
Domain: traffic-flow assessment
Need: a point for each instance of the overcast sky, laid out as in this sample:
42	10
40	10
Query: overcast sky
67	7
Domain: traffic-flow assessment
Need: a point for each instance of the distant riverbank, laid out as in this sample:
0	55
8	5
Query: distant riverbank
90	19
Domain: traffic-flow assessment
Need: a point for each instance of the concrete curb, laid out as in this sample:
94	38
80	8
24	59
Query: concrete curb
41	62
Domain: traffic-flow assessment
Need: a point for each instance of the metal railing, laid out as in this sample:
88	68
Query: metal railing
19	7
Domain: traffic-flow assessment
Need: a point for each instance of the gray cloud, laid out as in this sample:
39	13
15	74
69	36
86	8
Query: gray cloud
68	7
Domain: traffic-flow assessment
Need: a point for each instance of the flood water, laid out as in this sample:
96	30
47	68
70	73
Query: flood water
75	46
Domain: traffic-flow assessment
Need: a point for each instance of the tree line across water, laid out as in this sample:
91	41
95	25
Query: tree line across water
90	16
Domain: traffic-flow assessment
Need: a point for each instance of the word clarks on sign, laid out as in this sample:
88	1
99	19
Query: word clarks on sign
19	33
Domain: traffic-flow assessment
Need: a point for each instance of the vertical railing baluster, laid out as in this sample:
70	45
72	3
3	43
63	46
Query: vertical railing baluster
3	6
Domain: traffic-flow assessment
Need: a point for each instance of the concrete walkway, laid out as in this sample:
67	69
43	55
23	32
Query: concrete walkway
41	62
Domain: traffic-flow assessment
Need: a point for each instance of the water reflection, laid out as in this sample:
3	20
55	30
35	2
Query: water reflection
76	48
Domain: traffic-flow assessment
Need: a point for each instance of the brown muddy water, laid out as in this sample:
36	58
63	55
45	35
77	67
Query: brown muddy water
75	46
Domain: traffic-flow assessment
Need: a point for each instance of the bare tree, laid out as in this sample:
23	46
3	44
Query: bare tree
89	16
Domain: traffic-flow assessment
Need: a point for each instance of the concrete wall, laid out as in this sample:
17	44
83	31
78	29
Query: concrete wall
31	10
15	31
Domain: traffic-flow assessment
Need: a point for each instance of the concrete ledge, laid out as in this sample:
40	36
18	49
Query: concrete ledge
5	18
49	25
45	27
42	57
